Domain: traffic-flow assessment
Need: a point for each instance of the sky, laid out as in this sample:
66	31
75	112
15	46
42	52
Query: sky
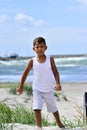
63	24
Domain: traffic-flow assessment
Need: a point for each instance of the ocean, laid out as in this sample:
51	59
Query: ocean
71	69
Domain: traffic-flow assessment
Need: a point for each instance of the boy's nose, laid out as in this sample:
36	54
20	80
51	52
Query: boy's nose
39	48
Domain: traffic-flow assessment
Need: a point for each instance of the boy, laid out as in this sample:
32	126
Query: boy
43	70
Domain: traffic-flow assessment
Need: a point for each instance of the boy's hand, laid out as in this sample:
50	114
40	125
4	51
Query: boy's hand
58	87
19	90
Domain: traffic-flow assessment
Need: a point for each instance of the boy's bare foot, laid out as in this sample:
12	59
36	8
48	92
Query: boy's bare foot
61	125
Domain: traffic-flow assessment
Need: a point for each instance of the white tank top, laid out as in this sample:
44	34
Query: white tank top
42	75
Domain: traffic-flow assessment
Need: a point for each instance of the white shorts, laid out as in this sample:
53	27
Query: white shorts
48	98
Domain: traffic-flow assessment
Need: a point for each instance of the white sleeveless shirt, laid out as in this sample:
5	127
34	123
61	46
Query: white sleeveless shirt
42	75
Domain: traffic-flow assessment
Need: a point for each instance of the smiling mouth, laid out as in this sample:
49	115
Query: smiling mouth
40	52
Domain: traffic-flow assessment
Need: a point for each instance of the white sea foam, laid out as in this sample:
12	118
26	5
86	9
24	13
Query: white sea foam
70	69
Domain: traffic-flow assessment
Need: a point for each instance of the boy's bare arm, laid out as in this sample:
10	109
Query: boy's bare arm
56	75
24	76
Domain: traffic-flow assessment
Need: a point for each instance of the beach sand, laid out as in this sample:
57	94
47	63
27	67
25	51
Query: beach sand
73	92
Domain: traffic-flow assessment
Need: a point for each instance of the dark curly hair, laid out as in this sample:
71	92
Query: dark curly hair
39	40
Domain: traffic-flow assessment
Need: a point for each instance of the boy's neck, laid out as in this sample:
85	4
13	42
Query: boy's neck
41	58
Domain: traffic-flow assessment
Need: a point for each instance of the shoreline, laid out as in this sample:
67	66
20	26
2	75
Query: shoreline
65	85
7	84
74	82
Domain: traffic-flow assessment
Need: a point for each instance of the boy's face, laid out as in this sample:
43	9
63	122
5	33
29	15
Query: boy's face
40	48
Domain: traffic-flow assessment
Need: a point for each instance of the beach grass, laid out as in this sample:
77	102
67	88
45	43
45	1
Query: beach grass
24	116
4	126
18	115
27	89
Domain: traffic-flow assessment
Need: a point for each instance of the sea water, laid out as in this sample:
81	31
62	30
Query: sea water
71	69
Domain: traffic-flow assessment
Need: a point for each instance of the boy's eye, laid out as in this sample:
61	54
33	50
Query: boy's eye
37	47
41	46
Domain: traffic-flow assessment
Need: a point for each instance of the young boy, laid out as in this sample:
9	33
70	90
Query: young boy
43	70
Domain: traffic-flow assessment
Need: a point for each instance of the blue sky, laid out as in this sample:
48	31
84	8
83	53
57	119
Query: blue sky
63	23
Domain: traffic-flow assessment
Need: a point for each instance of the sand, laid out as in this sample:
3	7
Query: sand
73	92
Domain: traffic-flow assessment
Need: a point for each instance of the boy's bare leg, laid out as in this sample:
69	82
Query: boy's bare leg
57	117
38	119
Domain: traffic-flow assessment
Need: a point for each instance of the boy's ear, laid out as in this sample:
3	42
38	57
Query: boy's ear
46	47
33	49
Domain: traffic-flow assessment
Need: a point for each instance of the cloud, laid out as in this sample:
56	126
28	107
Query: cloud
22	18
78	5
84	2
27	20
4	18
